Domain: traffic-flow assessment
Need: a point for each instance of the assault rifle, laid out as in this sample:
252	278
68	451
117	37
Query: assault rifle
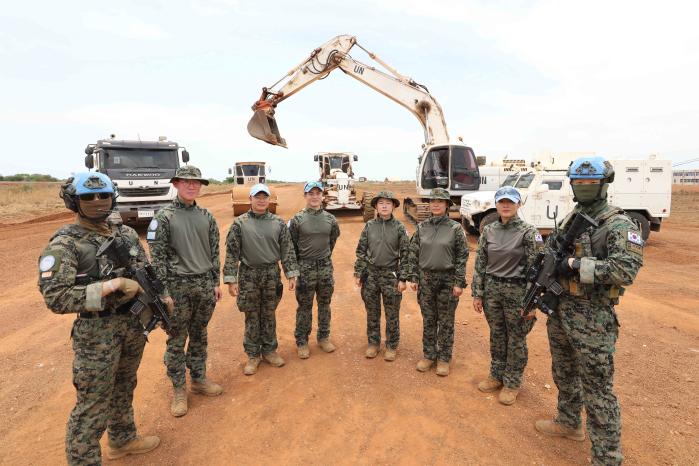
543	288
152	286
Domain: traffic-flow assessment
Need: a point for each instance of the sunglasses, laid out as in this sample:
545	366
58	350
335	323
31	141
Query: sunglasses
95	196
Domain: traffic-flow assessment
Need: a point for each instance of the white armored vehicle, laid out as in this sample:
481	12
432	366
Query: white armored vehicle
643	188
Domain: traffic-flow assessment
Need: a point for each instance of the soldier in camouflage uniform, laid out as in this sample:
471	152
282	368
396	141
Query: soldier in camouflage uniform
257	241
381	270
583	332
107	339
437	255
507	248
183	240
314	233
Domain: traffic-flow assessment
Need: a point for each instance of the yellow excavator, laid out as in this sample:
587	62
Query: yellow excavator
442	164
245	175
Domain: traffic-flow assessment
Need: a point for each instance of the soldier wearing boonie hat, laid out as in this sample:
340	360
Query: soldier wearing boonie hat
438	255
257	241
506	249
314	233
381	270
184	245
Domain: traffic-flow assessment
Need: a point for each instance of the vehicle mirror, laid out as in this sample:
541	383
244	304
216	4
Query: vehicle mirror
89	161
230	171
315	158
542	188
355	158
88	149
185	156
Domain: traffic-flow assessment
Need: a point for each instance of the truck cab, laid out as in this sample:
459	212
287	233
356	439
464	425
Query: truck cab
141	172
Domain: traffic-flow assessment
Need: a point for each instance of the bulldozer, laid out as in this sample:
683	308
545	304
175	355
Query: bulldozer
245	175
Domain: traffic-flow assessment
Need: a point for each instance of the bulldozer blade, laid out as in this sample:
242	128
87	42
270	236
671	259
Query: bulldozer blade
263	127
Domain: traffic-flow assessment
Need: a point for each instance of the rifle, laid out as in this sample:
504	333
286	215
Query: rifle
543	288
152	286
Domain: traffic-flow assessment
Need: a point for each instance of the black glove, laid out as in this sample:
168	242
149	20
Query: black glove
565	271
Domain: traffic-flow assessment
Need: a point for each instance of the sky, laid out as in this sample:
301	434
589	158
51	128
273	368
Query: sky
514	78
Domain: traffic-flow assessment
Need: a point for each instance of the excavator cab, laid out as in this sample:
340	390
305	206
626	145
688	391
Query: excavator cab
451	167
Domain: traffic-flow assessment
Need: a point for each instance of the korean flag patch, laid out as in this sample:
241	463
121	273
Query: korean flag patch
635	238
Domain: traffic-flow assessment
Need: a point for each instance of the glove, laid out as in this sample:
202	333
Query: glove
565	271
129	287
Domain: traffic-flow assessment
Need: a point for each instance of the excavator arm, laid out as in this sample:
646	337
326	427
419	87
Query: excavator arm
332	55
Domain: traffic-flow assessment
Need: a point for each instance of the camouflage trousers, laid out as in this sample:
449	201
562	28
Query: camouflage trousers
438	307
315	279
108	352
502	301
261	290
582	335
382	283
194	305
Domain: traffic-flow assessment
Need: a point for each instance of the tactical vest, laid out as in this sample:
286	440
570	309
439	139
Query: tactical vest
91	268
594	244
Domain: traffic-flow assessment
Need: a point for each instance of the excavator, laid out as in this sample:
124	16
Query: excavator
442	164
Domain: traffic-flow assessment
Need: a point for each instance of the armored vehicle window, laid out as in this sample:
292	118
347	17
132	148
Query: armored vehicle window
510	180
524	181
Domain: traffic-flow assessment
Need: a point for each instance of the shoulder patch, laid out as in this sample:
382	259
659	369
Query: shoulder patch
150	236
538	238
635	238
46	263
153	225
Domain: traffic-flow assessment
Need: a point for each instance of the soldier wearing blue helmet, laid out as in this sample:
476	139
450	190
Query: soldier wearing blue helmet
75	276
583	332
507	248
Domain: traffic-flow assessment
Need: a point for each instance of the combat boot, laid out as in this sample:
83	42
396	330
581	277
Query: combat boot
251	366
206	387
489	385
372	351
274	359
389	355
555	429
442	368
178	408
136	446
423	365
303	351
508	396
326	346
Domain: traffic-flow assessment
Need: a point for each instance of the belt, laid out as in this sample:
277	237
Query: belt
513	280
316	261
120	311
191	276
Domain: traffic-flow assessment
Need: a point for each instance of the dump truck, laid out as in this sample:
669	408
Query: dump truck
245	175
141	172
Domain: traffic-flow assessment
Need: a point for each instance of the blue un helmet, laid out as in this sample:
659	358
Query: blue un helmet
590	168
85	184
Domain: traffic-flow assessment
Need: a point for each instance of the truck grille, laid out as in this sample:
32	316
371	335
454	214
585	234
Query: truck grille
140	192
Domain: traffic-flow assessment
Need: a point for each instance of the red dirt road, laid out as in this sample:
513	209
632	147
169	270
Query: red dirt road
342	408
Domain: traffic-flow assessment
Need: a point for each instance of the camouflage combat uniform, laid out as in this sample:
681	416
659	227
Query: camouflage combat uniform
254	246
107	339
313	233
438	255
583	332
505	252
382	261
184	246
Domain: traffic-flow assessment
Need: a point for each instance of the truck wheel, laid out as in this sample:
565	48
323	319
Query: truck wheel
467	226
642	222
486	220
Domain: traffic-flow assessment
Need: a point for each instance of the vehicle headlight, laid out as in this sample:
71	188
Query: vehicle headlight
476	204
486	204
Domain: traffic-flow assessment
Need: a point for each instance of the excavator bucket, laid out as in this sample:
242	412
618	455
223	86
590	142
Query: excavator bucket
263	127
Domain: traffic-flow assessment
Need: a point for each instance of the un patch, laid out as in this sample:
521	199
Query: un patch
153	225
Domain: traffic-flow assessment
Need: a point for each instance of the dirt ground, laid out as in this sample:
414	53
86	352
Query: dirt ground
341	408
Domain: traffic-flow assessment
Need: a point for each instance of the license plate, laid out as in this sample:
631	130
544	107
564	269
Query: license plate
145	213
